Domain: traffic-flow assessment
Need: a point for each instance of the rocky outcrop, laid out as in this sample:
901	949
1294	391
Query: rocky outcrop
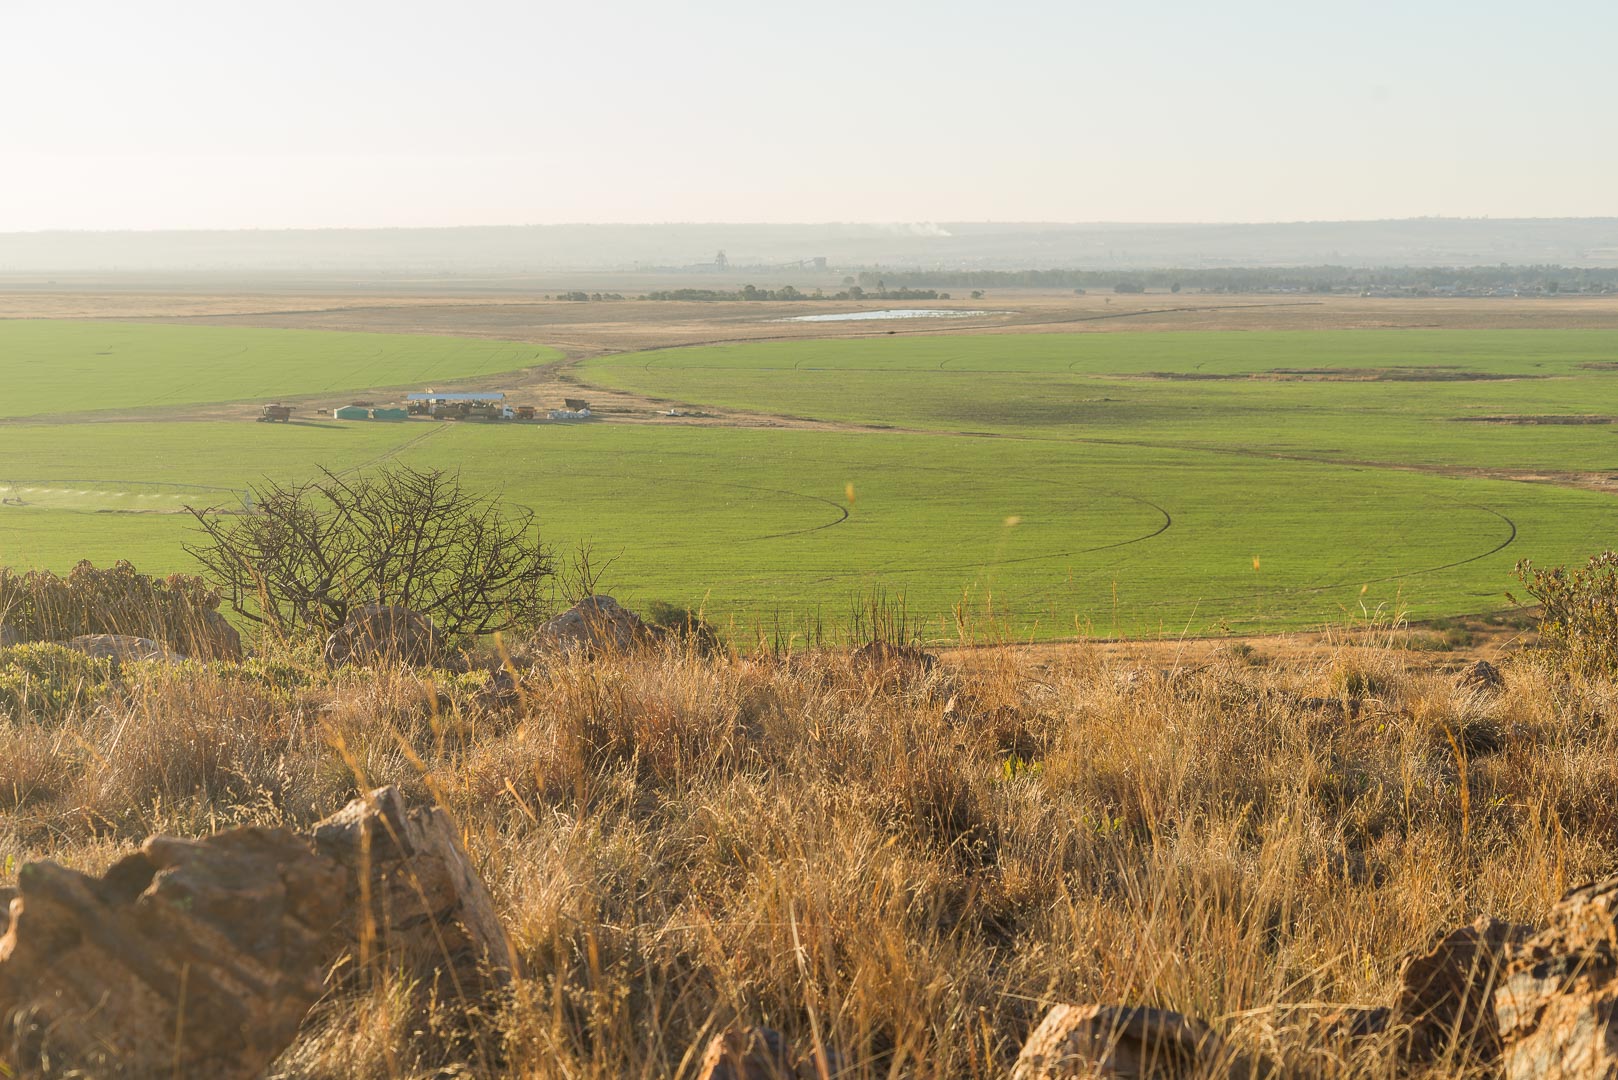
202	957
121	647
1095	1041
385	634
187	958
1445	996
595	625
1558	997
414	899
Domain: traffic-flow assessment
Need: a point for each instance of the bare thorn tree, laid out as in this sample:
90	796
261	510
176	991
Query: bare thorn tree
309	552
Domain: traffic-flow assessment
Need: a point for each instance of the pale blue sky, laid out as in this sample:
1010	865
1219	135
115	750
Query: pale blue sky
180	113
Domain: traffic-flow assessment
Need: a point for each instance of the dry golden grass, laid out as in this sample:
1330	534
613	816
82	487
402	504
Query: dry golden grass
908	869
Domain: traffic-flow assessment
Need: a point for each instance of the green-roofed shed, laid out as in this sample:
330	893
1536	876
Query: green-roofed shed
389	413
351	412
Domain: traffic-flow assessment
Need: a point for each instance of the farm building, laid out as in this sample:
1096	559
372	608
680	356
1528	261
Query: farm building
351	412
389	412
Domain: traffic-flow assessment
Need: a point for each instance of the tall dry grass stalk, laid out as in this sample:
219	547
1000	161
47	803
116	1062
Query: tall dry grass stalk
906	870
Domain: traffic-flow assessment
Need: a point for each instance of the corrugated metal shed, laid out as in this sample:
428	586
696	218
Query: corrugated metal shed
388	413
351	412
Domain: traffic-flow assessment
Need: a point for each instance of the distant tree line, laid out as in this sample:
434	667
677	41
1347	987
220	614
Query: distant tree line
879	291
1319	279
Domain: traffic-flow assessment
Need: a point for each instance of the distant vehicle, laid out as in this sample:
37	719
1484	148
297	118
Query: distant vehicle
275	412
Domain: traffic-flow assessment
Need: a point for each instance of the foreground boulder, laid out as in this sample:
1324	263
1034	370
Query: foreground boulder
121	647
428	909
1558	997
385	634
187	958
597	624
1446	995
1094	1041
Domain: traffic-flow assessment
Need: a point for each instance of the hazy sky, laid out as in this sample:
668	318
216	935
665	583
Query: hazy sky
182	113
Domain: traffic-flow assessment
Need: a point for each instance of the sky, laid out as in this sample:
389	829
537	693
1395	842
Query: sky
164	114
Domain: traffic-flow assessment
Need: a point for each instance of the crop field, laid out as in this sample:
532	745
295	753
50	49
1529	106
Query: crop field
1147	483
70	367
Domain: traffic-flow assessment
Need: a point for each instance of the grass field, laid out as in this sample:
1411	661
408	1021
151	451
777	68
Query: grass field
1069	483
56	367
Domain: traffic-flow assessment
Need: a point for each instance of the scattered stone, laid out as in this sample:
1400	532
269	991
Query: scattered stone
1481	676
429	910
385	634
121	647
1558	997
885	658
1445	995
1097	1041
187	958
597	624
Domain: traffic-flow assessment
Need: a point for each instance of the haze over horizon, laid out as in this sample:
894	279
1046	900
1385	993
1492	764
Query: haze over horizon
185	115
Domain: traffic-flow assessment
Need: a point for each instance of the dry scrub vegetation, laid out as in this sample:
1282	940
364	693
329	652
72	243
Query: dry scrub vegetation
905	868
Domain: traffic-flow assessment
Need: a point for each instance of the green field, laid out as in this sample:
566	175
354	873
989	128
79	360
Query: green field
1068	483
70	367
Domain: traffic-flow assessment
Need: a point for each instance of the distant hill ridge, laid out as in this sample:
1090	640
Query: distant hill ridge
1584	242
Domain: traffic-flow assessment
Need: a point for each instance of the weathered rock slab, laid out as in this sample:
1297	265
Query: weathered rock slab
189	958
385	634
596	624
428	909
1119	1041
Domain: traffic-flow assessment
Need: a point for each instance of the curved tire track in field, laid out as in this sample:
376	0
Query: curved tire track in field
1167	523
1304	590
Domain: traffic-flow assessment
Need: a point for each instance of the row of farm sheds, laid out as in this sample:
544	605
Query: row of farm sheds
442	405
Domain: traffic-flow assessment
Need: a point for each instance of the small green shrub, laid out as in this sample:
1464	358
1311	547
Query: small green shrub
46	681
178	610
1578	622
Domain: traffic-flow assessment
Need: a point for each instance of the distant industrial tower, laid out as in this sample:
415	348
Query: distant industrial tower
720	262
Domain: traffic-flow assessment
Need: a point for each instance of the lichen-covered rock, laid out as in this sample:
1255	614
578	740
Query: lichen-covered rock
1557	999
597	624
1120	1041
187	958
429	910
385	634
